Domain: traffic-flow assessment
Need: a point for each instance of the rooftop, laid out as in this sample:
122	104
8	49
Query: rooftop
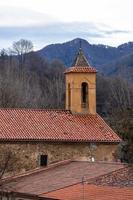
80	60
80	70
92	192
53	125
81	65
117	184
122	177
57	176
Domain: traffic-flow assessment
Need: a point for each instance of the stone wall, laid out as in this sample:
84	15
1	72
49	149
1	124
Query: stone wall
26	153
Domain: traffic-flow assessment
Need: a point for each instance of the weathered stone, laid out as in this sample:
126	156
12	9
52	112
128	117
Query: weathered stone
27	153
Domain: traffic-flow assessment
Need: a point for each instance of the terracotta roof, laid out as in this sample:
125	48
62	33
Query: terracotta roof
57	176
80	70
80	65
53	125
92	192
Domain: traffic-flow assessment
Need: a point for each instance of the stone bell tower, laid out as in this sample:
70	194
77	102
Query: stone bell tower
81	86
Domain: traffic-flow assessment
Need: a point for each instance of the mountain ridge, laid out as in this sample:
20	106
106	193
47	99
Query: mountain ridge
105	58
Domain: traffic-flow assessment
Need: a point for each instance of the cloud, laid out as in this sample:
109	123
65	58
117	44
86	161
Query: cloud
116	32
58	32
17	16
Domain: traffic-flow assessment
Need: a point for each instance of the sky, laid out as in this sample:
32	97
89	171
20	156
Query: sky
45	22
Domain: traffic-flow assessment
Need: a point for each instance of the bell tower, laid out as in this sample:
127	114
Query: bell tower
81	86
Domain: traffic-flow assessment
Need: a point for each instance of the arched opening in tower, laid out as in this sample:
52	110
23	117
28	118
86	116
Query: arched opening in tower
84	94
69	96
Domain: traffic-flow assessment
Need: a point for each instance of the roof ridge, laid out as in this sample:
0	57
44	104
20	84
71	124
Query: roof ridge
80	69
36	109
102	162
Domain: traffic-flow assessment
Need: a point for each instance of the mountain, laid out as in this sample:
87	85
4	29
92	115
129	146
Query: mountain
122	66
106	59
96	54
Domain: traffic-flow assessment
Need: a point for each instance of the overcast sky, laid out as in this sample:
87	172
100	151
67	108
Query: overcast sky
54	21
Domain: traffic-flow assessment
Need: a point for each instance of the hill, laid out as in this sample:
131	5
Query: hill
107	59
96	54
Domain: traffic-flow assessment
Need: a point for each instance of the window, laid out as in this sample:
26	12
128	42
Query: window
84	94
69	96
43	160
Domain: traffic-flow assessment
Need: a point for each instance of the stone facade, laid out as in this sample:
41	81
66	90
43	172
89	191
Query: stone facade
27	153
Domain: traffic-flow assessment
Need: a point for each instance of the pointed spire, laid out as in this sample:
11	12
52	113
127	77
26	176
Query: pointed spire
80	64
80	60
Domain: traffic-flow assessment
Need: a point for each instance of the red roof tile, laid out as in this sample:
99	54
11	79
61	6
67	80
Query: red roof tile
57	176
92	192
53	125
84	69
80	65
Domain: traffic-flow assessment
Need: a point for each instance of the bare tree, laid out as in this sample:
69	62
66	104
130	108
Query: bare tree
5	159
53	86
8	162
22	47
119	94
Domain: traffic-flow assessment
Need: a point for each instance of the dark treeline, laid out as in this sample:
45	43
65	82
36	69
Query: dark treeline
115	104
26	80
30	81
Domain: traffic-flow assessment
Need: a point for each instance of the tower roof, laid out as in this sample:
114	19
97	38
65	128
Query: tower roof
80	64
80	60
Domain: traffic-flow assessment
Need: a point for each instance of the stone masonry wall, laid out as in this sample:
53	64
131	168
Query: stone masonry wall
26	153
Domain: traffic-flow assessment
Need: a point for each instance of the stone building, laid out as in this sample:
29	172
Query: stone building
46	136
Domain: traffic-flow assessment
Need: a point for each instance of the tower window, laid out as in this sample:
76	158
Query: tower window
84	94
69	96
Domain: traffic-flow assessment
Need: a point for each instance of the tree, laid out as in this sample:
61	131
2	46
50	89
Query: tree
6	161
127	136
8	164
18	89
102	94
119	95
21	48
52	84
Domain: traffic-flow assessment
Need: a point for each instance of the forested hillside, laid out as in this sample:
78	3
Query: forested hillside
108	60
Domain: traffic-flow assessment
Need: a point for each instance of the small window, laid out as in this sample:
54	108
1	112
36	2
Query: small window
43	160
84	94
